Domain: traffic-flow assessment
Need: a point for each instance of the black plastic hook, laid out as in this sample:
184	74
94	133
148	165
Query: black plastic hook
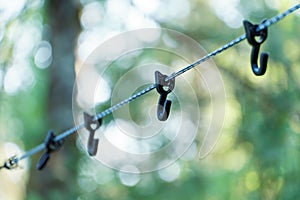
51	146
163	87
251	33
11	163
92	126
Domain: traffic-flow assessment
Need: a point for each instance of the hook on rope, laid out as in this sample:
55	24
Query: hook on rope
163	87
10	163
92	126
251	33
50	146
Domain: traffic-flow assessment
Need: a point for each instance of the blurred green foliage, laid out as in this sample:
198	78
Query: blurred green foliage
258	154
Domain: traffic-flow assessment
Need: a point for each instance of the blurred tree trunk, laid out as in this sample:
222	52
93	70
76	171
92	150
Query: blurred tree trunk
60	172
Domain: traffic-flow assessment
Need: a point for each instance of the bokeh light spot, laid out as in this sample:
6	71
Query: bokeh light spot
43	56
91	15
18	77
145	6
228	12
252	181
129	179
170	173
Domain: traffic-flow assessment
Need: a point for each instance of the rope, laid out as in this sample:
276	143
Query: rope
262	26
13	161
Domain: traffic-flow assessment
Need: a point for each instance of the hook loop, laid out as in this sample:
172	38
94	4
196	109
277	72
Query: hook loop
92	126
10	163
251	33
163	87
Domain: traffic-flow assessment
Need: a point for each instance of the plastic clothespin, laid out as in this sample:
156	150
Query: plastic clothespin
51	146
251	34
163	87
92	126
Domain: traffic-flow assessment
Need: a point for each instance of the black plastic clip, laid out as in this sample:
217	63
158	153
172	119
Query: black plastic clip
51	146
251	33
11	163
92	126
163	87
